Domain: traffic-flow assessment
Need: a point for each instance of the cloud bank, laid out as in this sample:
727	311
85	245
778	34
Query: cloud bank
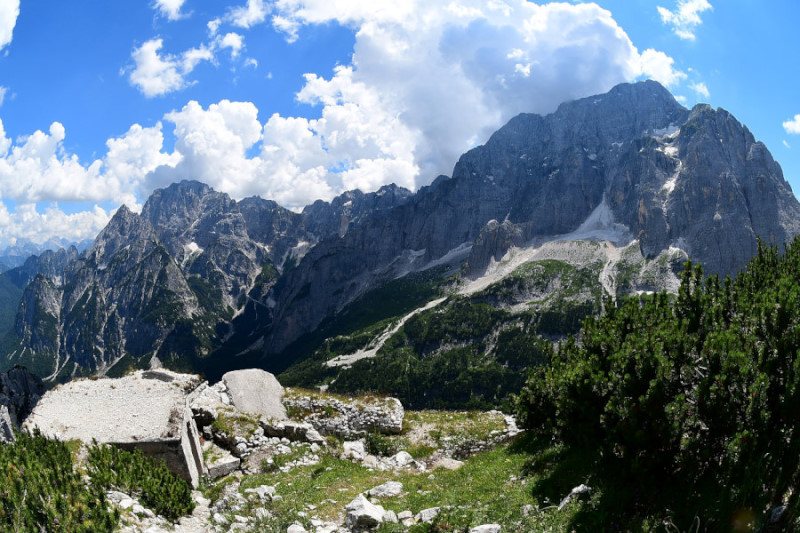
9	11
427	81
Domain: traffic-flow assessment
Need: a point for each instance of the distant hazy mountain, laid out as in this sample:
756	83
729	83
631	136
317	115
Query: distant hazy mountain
16	255
198	277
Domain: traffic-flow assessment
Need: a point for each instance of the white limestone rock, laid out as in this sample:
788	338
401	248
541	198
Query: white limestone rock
486	528
390	489
361	513
257	392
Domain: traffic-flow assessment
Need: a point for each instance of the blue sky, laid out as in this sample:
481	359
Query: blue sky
294	100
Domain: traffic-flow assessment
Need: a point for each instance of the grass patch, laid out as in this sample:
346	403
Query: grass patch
492	487
235	424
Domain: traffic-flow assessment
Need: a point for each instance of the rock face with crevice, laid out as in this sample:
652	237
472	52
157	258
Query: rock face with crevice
20	391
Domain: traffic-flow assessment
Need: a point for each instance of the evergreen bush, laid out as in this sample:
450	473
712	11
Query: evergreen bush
690	405
40	490
140	476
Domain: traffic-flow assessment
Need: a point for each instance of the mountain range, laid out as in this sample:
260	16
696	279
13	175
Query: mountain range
621	188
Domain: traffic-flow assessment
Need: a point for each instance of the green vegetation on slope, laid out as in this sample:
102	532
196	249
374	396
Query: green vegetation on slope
468	351
142	477
42	489
463	354
684	409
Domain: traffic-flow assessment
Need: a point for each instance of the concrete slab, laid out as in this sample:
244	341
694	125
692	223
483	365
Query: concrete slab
146	410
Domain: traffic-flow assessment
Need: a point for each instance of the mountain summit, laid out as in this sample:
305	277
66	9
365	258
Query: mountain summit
199	276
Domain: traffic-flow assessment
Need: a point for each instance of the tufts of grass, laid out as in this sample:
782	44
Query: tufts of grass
235	424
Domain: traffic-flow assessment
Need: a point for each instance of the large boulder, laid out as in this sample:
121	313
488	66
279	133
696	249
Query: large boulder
256	392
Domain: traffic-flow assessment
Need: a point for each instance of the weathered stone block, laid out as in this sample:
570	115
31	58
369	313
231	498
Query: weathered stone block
146	410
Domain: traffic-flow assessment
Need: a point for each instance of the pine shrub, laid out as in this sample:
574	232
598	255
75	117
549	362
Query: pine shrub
689	404
40	490
141	476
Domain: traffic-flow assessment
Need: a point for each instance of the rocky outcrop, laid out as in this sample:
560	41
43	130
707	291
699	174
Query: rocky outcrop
20	391
325	219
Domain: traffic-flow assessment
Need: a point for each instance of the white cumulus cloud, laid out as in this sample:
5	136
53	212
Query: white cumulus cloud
701	89
659	66
792	125
427	81
170	8
234	42
685	18
37	168
155	74
449	74
9	11
250	14
212	146
3	91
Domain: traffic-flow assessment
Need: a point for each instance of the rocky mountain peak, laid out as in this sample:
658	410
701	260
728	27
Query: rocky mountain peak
125	229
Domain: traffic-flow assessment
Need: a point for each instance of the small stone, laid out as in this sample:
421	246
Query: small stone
401	459
262	514
575	492
296	528
313	436
526	509
116	496
389	489
354	450
404	515
137	509
486	528
427	515
220	519
447	463
390	517
127	503
361	513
